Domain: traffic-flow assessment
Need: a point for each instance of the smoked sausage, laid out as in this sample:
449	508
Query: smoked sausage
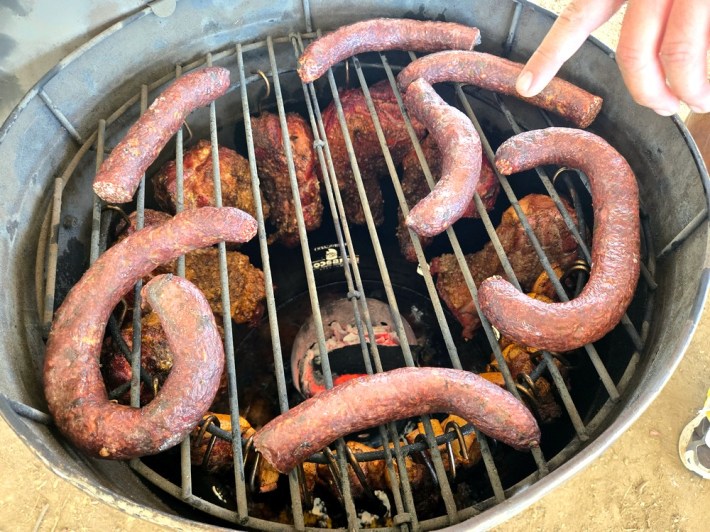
498	74
372	400
382	34
460	145
120	173
73	386
616	244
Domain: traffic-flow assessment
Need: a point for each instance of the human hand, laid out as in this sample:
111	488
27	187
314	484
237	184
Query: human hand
662	50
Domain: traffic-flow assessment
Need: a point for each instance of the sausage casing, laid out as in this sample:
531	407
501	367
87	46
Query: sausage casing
120	173
498	74
382	34
460	146
616	258
372	400
75	392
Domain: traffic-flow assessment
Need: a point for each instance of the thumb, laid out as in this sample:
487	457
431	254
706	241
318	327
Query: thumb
576	22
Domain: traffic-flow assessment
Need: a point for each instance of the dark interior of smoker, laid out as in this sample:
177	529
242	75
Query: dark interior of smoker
253	350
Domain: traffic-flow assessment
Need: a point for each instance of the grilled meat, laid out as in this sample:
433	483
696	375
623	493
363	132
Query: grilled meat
415	188
246	282
273	173
557	242
234	175
371	161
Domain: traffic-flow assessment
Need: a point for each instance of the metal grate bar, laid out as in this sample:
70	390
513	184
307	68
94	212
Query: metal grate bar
136	350
61	117
268	282
436	302
242	509
512	30
684	233
310	277
98	203
436	455
460	259
360	297
337	209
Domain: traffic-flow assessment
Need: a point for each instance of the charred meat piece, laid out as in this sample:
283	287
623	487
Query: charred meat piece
415	188
273	173
555	238
521	361
367	148
234	175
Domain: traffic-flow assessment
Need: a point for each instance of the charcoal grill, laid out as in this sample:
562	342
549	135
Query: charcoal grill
61	130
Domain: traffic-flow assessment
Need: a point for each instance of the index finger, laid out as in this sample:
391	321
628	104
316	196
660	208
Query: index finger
576	22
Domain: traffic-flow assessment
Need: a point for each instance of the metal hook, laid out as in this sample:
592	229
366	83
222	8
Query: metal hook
121	213
306	495
580	265
335	473
426	460
204	425
347	74
254	472
262	99
189	132
369	493
559	172
452	460
453	426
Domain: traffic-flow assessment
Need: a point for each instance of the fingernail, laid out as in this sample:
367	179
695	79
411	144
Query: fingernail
666	112
524	82
699	110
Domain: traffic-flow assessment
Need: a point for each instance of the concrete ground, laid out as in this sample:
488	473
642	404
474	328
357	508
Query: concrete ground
637	484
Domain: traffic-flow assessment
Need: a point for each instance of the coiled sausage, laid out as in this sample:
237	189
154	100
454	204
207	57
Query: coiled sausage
616	259
73	386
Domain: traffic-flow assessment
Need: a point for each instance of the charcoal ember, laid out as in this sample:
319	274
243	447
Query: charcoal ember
272	165
198	180
415	188
556	240
368	151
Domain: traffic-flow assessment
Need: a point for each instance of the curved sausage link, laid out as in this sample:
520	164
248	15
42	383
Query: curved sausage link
616	259
73	386
382	34
497	74
398	394
460	146
119	174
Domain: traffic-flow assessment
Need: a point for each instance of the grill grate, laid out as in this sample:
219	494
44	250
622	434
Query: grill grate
404	512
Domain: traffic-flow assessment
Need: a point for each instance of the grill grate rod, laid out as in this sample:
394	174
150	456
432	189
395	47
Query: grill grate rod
348	263
310	278
185	459
387	284
435	300
557	378
268	282
470	284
